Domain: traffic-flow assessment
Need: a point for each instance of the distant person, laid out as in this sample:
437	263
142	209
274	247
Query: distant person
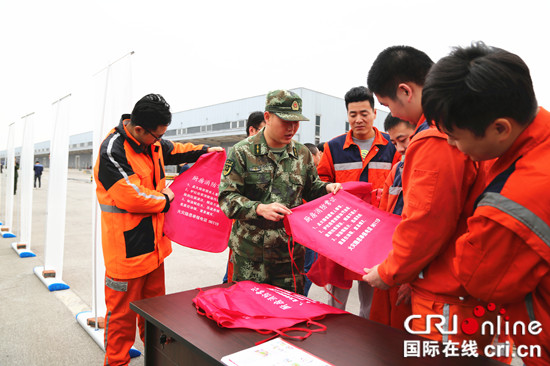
38	168
1	168
183	168
264	177
15	177
363	154
321	147
254	124
483	98
133	197
314	152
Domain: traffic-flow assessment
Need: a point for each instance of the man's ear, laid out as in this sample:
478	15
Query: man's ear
502	128
405	90
266	116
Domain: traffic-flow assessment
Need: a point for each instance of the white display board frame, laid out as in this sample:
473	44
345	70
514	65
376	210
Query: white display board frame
51	274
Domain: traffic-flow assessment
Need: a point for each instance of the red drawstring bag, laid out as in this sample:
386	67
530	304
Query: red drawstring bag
194	219
262	307
344	229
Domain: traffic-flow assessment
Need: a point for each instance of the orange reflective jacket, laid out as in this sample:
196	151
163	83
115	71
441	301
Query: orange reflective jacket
342	161
505	256
129	179
439	190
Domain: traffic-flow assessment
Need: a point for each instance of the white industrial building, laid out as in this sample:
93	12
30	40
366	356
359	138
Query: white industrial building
224	124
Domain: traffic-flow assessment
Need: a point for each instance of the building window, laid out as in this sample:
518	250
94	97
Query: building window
347	126
221	126
317	129
194	129
170	133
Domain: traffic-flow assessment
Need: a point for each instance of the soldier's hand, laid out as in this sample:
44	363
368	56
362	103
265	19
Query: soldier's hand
273	211
333	187
215	148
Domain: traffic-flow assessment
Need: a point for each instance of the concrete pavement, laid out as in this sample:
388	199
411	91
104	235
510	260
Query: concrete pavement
38	327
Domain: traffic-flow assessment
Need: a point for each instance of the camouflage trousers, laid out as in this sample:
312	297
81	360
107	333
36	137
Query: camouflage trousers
274	272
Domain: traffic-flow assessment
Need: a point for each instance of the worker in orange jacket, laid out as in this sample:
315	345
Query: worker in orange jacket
131	191
505	255
363	154
440	185
393	306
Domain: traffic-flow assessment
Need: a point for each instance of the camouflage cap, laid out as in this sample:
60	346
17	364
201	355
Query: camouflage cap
285	104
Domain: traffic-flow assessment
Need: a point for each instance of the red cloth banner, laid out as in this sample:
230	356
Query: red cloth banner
345	229
194	219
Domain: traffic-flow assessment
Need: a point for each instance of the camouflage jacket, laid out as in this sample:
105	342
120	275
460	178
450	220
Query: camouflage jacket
253	174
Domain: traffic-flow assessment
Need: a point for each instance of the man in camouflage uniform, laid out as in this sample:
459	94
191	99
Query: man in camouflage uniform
264	177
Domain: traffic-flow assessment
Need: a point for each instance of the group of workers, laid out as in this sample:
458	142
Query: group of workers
462	162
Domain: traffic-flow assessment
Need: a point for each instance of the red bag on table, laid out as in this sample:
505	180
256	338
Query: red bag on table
194	219
262	307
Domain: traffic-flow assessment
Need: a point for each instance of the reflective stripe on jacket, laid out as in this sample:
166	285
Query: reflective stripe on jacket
505	255
392	193
440	185
129	179
342	161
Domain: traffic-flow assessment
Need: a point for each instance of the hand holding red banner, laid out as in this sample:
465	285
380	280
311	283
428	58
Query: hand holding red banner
344	228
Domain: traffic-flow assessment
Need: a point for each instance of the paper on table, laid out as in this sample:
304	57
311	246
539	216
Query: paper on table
276	352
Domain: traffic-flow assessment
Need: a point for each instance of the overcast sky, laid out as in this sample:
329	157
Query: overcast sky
198	53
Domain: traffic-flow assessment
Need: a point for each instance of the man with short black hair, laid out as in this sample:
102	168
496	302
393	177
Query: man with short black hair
483	98
38	168
440	185
131	191
363	154
254	123
314	152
